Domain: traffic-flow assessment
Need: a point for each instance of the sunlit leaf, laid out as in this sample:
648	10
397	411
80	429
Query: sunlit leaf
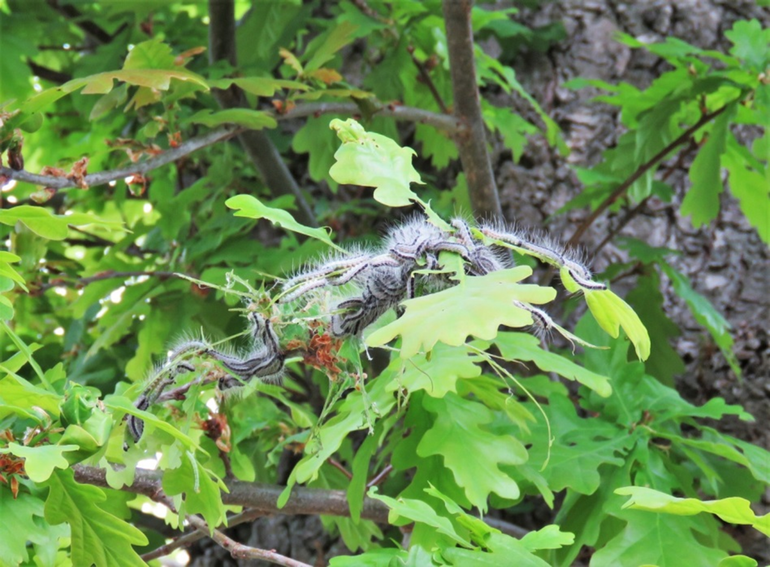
524	347
611	312
372	160
458	426
731	510
201	494
259	86
40	461
250	207
438	373
477	306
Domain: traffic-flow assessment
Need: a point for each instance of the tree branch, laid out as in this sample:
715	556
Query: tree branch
140	168
82	282
472	144
240	551
426	78
91	29
196	535
256	143
237	550
48	74
264	497
643	203
444	122
641	170
449	124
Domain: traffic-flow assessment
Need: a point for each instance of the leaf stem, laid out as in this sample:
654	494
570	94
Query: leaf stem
448	124
641	170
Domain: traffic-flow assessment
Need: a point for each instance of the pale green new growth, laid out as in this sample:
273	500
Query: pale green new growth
733	510
477	306
251	207
373	160
611	312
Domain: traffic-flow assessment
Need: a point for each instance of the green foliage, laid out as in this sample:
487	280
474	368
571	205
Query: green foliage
457	415
98	537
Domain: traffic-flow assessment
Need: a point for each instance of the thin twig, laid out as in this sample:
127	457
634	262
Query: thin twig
339	466
471	144
82	282
48	74
256	143
643	203
641	170
382	475
367	10
196	535
444	122
237	550
142	167
240	551
428	81
90	28
448	124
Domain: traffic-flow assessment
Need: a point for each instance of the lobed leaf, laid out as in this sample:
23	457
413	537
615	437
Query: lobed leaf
660	540
201	494
732	510
40	461
373	160
259	86
438	373
421	512
22	523
44	223
457	428
477	306
521	346
98	537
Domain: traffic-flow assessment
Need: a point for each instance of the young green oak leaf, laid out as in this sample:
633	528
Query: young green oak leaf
201	493
119	404
40	462
98	537
251	207
373	160
658	539
438	373
732	510
476	306
456	429
44	223
19	527
521	346
611	312
420	512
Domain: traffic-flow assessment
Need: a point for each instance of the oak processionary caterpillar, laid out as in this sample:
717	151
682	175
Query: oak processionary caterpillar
382	278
